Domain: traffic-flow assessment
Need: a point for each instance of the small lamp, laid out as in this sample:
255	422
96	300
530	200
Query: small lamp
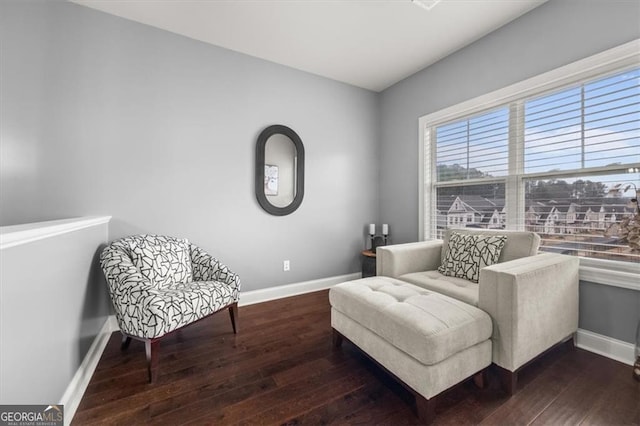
372	234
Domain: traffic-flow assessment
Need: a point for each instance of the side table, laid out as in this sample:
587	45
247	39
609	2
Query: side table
368	263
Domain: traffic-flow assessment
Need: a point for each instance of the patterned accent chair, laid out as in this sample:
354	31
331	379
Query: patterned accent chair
159	284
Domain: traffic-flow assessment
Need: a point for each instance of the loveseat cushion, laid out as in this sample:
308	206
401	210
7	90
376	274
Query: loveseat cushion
428	326
457	288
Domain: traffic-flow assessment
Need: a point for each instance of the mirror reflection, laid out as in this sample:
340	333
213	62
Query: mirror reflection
280	160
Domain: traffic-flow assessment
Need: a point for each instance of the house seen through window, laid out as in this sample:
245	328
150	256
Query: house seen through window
567	162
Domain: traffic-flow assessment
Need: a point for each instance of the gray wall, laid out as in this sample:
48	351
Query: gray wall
611	311
552	35
101	115
53	303
555	34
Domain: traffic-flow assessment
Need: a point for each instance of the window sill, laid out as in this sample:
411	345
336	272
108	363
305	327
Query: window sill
609	272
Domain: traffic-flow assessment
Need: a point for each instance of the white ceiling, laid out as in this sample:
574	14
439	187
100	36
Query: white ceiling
367	43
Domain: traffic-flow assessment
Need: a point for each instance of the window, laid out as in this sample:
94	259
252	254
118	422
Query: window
563	162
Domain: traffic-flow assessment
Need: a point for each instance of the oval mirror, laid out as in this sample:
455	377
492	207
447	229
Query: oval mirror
279	170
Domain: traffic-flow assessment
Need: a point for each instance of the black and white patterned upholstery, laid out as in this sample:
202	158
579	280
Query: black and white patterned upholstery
163	264
147	304
468	253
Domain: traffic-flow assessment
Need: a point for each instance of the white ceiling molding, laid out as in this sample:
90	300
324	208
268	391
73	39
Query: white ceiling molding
369	44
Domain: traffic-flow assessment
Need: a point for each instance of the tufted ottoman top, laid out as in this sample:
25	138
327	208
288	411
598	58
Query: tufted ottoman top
426	325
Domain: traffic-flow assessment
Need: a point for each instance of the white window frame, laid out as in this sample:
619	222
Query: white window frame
610	272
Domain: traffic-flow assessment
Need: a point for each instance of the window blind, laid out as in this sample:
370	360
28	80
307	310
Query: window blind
594	125
562	164
475	147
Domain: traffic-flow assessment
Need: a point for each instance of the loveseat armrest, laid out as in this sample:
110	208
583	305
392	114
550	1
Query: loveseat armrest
533	303
399	259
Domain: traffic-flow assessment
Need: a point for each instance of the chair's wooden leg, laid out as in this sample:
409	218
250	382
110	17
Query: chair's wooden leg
126	340
233	313
509	380
152	347
336	338
426	409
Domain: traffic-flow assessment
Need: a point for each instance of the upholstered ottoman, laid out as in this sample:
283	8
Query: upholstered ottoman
428	341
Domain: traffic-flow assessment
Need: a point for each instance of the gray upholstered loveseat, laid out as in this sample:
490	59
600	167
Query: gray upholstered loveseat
531	297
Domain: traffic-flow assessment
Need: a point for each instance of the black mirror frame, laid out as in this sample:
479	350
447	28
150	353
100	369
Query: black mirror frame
260	149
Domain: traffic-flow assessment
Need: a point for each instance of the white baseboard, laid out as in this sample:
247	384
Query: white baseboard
78	385
113	324
264	295
606	346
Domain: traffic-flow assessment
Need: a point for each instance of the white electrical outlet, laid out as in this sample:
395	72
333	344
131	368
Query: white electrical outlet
286	266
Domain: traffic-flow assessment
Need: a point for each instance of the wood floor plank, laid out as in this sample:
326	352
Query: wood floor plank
181	391
466	404
282	369
308	400
344	408
373	404
572	404
619	403
264	401
531	400
293	374
182	380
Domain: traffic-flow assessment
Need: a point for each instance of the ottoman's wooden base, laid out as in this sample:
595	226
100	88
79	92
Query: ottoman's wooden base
509	379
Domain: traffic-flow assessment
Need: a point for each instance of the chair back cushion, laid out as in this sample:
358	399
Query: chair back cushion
162	260
518	244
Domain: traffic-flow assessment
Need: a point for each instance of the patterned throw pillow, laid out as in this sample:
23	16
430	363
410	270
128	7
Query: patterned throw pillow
163	264
468	253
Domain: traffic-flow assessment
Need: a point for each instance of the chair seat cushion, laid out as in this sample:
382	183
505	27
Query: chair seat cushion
156	312
458	288
426	325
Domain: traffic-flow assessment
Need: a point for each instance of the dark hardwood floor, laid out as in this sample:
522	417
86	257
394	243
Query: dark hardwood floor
282	369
